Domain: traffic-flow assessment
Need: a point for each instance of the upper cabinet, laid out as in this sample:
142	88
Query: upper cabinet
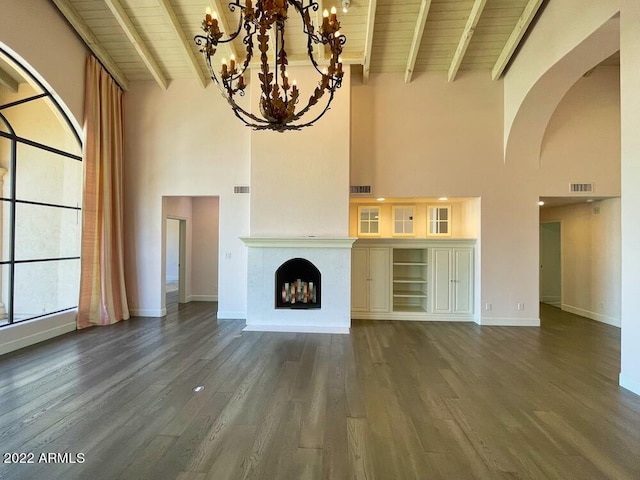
439	221
457	218
368	221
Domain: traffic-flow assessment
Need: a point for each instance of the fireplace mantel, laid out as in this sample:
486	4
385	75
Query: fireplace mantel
299	242
330	255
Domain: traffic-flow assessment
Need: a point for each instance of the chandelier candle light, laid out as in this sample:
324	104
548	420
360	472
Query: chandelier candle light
279	96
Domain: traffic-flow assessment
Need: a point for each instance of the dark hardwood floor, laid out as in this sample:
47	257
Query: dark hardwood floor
391	401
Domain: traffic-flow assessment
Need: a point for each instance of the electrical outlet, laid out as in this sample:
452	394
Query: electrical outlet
227	255
520	306
488	307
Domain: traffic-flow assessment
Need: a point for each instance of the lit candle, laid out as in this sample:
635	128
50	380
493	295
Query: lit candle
208	11
285	80
325	71
334	17
295	86
225	71
232	63
325	20
248	5
241	84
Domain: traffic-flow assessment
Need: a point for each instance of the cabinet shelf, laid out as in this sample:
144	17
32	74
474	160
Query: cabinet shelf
409	294
409	280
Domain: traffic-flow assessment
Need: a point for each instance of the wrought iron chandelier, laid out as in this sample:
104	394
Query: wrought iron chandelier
279	96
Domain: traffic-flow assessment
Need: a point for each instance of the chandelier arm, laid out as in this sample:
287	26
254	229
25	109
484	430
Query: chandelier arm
237	109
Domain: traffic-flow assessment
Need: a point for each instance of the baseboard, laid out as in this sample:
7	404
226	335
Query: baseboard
202	298
631	385
147	312
592	315
222	315
296	329
509	322
411	317
37	336
551	300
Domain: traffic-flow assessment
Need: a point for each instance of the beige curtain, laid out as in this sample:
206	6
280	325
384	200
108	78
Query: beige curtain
103	298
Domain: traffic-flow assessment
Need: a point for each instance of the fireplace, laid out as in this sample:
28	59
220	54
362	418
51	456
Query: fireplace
298	284
323	261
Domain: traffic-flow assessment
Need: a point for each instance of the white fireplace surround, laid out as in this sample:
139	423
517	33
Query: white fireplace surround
330	255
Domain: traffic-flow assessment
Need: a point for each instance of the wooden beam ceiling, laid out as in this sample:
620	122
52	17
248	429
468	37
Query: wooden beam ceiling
92	42
469	29
189	55
515	38
368	41
417	39
138	43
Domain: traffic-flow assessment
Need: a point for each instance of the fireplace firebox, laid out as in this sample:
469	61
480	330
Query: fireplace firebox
298	285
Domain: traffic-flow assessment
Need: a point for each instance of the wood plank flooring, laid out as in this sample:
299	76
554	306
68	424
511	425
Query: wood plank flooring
391	401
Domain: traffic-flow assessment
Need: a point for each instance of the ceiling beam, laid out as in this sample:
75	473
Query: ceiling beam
8	81
518	32
91	41
469	29
190	57
368	40
222	19
138	43
417	39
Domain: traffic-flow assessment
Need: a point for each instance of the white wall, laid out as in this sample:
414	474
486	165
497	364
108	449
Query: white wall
184	141
204	274
300	179
590	258
630	101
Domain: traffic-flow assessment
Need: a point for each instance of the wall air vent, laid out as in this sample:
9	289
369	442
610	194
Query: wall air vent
581	187
241	189
360	189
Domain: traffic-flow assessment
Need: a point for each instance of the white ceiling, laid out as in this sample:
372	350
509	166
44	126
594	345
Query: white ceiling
153	39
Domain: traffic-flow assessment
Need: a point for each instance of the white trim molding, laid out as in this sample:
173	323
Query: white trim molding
299	242
202	298
509	322
592	315
147	312
296	329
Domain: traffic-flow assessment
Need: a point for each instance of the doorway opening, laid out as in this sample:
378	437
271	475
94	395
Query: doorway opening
550	263
190	253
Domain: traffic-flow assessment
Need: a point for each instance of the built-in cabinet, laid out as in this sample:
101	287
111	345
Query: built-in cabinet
395	279
370	279
452	280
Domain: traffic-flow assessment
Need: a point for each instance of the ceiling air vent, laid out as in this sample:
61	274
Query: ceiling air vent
360	189
241	189
581	187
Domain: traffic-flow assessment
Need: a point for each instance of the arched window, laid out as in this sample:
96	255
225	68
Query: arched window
41	196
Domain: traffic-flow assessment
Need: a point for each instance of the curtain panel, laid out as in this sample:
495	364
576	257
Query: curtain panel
103	298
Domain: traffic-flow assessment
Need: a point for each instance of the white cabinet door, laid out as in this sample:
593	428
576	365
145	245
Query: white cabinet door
441	276
452	280
462	280
379	279
360	279
370	279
